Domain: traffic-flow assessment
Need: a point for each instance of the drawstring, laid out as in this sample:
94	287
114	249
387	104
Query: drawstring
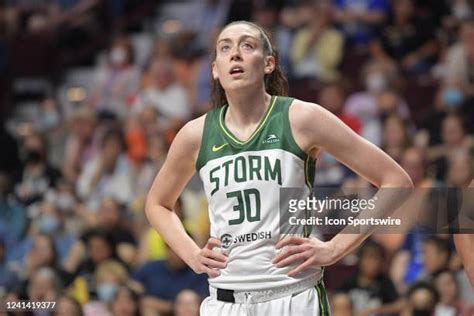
248	305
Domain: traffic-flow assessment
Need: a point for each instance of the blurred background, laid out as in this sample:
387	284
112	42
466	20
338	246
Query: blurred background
92	93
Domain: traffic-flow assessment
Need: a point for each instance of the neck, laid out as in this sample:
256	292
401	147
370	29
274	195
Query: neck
246	108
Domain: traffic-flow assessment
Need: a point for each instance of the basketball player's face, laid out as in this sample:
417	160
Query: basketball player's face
240	61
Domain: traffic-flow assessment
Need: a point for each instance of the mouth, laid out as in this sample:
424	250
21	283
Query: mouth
236	70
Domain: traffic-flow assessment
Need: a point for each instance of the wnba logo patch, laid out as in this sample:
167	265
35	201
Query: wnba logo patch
226	241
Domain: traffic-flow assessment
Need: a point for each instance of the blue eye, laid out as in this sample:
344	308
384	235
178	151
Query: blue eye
247	46
225	48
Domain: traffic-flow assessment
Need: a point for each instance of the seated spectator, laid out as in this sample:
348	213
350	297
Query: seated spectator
109	276
408	39
79	147
450	303
67	305
395	137
44	285
378	76
436	254
13	221
165	94
126	302
341	305
371	290
117	82
360	19
96	247
460	56
108	174
421	300
317	48
187	303
162	280
329	171
47	223
455	138
37	175
8	277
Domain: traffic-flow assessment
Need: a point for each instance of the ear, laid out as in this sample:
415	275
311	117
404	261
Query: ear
214	71
270	64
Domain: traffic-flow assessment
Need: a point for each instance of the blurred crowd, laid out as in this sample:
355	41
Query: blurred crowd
75	174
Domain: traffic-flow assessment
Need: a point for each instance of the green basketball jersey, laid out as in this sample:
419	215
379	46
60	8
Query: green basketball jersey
242	181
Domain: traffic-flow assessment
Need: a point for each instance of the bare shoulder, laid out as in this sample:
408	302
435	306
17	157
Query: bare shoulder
188	140
307	121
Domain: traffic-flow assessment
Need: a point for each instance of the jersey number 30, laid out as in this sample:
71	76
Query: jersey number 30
245	200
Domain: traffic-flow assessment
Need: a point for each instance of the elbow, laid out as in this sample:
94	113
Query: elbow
399	179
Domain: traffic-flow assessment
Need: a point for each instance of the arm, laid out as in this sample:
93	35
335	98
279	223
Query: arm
315	129
465	246
168	185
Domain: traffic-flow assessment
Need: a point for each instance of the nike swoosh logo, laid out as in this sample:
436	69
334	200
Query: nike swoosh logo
217	148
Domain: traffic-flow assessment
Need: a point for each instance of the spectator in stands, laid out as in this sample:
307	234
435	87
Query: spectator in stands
341	305
407	39
111	219
454	137
79	147
371	290
165	94
117	82
436	254
67	305
107	174
162	280
317	48
44	254
378	76
36	175
421	300
109	276
360	19
329	171
460	57
266	15
126	302
460	169
8	278
13	221
97	247
44	285
396	137
187	303
450	303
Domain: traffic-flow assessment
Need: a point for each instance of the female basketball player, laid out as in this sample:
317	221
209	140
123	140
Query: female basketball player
245	150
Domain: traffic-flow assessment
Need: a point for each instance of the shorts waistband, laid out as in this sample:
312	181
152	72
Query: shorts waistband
258	296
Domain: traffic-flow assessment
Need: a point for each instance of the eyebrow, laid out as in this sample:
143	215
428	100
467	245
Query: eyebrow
242	37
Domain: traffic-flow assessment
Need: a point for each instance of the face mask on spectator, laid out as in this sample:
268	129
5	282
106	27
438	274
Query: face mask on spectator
106	291
50	119
452	97
375	82
48	224
118	56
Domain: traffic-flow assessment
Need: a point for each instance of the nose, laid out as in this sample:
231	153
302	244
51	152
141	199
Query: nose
235	54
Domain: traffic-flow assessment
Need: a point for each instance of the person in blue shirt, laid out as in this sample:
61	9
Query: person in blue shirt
359	19
162	280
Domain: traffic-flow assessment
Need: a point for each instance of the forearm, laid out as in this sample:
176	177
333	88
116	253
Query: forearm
170	228
392	194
